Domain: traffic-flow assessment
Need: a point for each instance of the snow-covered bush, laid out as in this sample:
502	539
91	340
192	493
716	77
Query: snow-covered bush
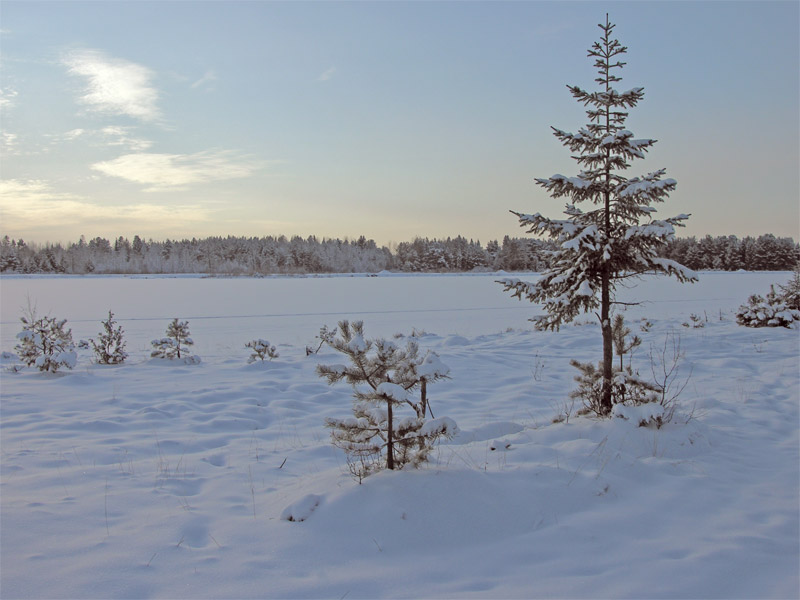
109	348
45	344
174	346
626	387
262	350
651	414
383	376
10	362
772	311
325	336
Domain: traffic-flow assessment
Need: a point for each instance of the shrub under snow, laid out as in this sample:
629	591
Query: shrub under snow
772	311
174	346
262	349
45	344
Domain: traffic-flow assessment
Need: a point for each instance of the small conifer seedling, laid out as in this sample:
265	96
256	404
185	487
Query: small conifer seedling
176	342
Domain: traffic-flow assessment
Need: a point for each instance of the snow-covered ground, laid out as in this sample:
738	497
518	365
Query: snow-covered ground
151	480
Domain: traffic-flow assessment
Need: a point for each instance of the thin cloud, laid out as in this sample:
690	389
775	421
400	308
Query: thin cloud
327	75
112	136
8	141
206	80
34	203
74	134
165	172
7	98
115	86
121	136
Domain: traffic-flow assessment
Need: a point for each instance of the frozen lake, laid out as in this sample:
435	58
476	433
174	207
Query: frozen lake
156	479
290	310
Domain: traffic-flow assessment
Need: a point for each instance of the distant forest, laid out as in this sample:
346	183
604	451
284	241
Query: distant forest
296	255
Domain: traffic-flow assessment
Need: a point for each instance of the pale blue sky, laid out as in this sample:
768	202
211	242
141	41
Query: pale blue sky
391	120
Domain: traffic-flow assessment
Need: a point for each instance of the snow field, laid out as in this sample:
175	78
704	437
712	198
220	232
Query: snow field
151	480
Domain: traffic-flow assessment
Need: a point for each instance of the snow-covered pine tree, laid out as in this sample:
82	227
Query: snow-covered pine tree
617	237
176	341
326	336
790	293
109	347
262	350
772	311
45	344
383	376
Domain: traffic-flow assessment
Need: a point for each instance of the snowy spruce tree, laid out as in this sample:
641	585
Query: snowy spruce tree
615	237
385	378
109	348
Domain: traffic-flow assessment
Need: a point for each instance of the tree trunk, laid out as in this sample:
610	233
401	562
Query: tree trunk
608	344
390	440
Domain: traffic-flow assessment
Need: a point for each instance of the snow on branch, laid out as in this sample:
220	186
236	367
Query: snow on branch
649	188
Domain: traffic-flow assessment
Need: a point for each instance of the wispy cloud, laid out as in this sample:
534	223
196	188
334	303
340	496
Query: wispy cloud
114	85
34	203
74	134
111	136
207	80
7	98
8	142
121	136
327	75
164	172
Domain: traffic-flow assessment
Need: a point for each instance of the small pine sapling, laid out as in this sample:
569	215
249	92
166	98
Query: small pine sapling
627	388
622	343
420	371
175	343
262	350
45	344
383	376
325	336
695	322
109	348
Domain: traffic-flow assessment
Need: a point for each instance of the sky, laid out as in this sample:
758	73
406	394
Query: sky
390	120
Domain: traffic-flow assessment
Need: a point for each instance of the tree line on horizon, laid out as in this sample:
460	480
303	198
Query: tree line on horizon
296	255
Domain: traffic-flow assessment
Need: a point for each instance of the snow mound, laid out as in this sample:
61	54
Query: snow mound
488	432
302	509
643	414
500	445
456	340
